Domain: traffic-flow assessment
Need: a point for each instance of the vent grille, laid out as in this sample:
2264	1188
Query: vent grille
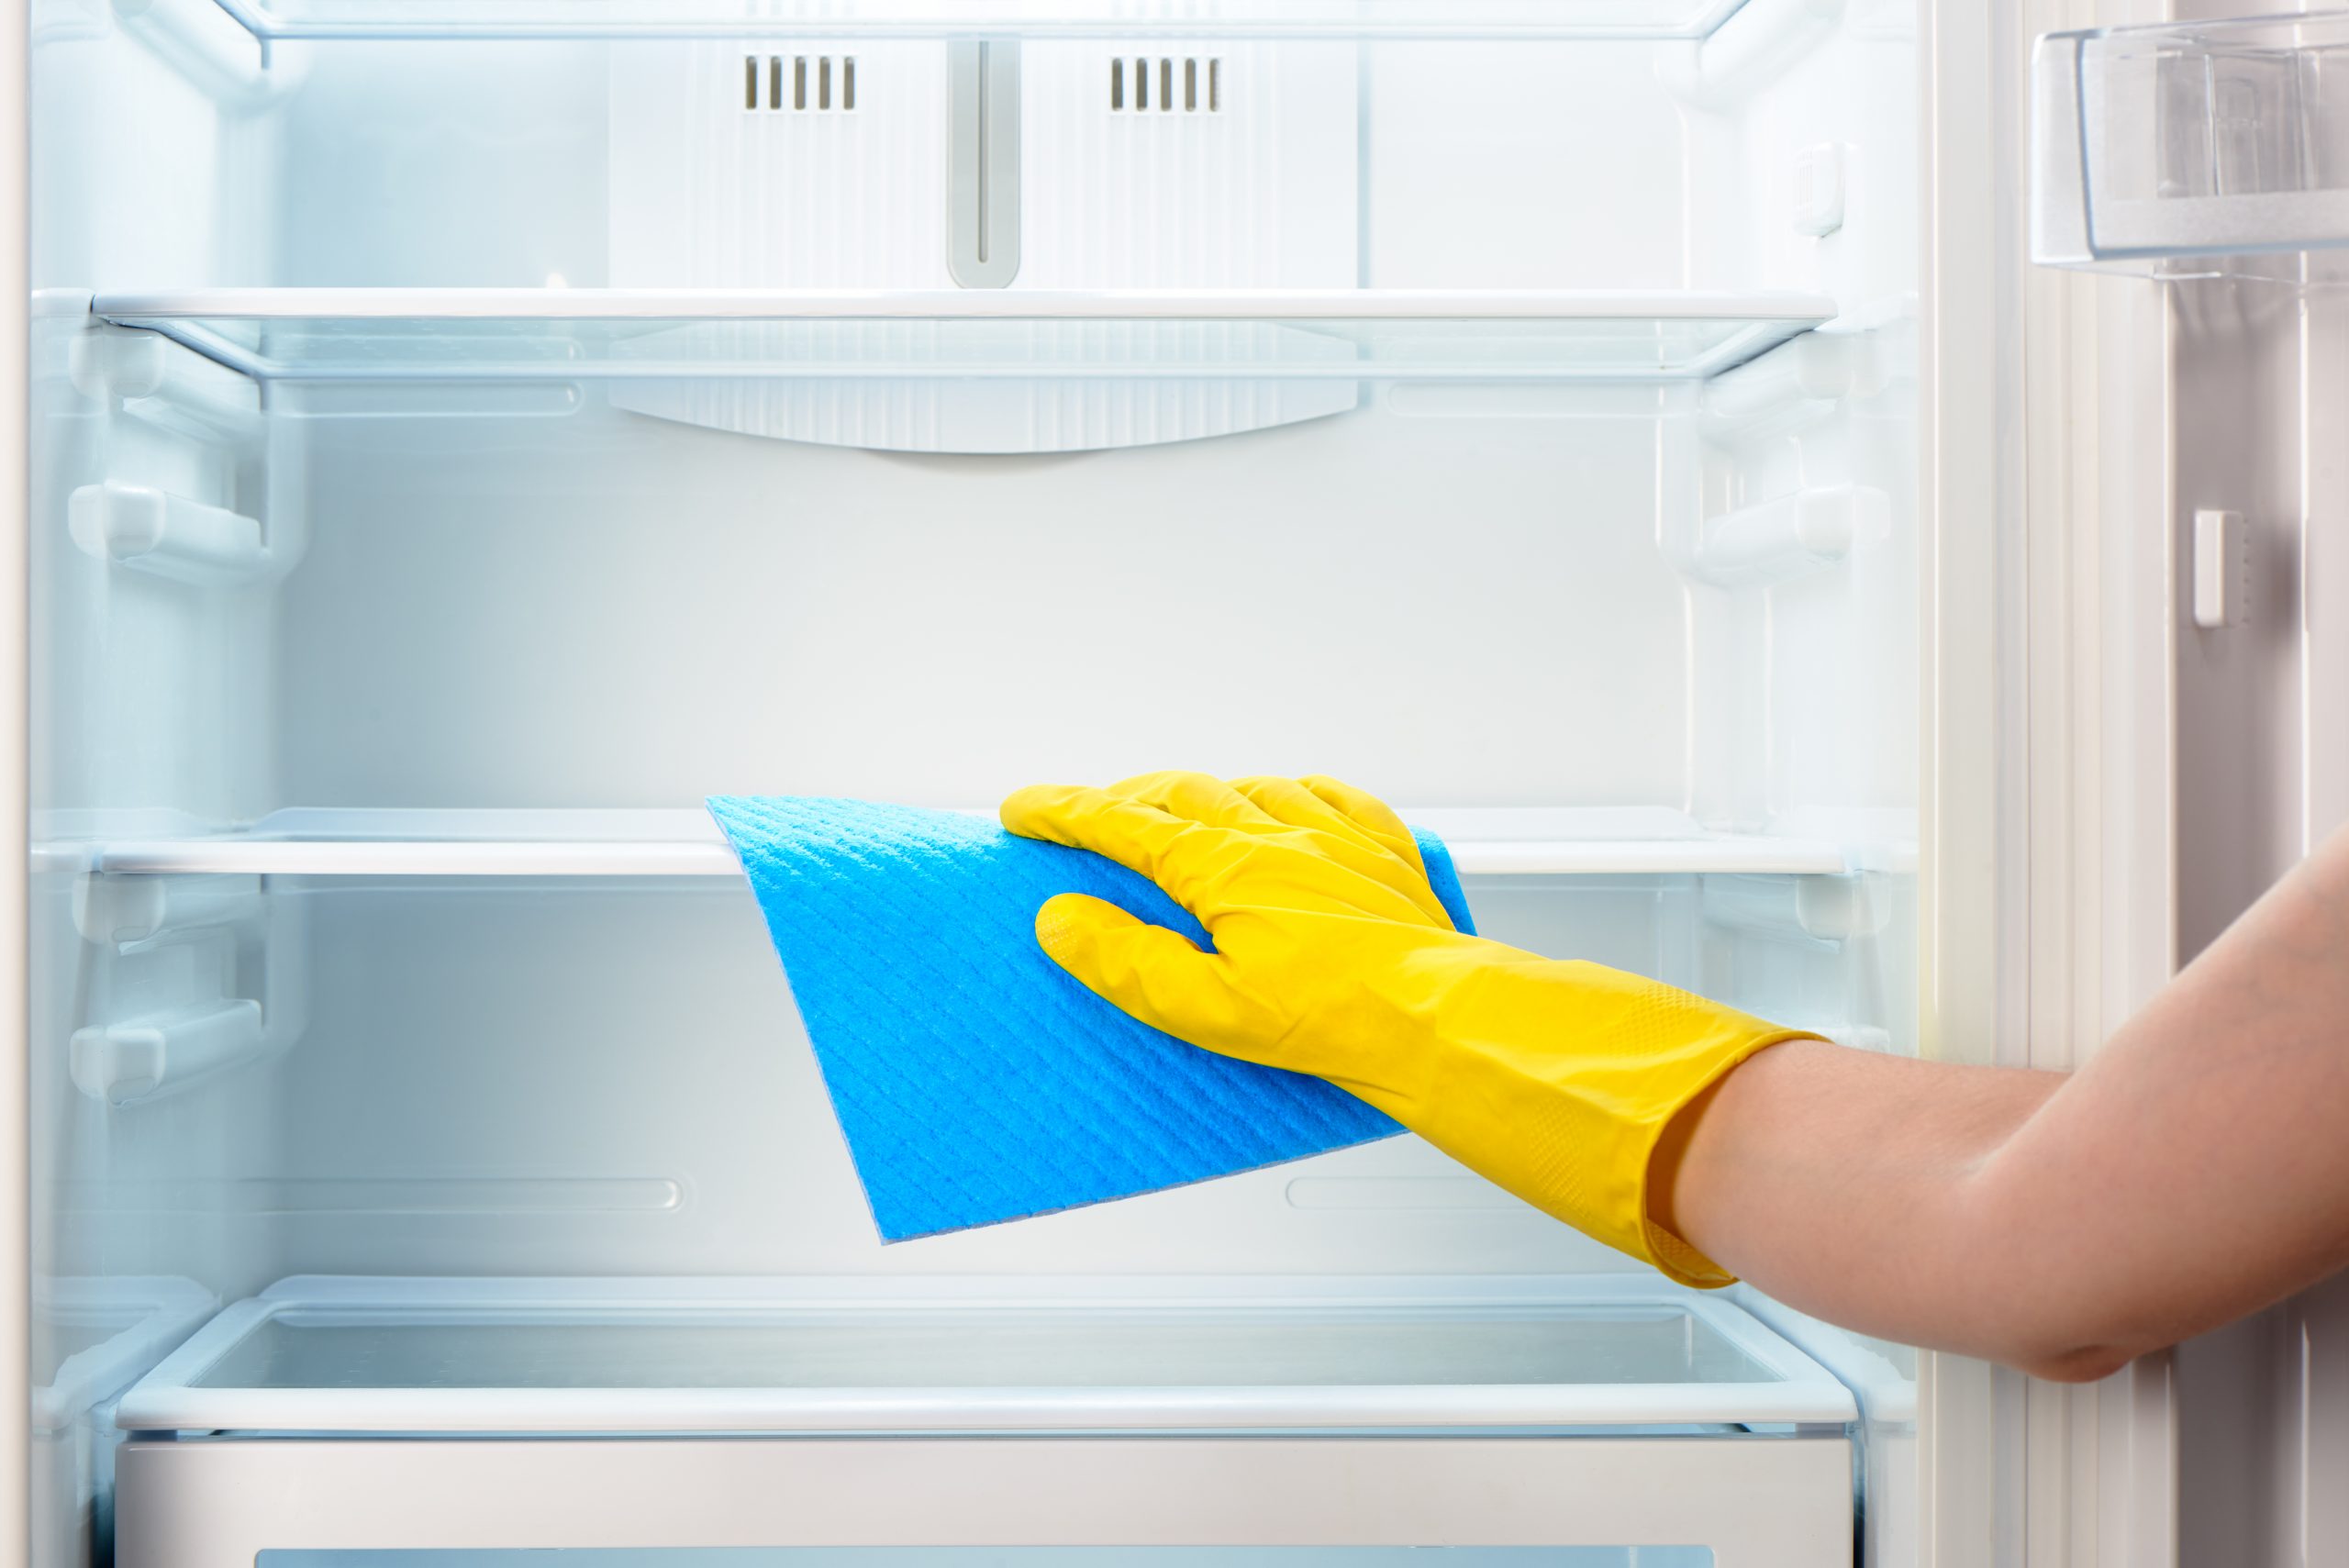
1191	85
799	84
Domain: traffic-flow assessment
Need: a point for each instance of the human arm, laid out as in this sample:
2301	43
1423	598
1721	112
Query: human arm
2195	1169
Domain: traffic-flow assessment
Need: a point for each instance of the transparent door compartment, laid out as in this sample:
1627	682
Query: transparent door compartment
2185	150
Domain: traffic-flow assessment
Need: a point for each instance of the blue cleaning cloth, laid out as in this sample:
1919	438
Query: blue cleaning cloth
975	1080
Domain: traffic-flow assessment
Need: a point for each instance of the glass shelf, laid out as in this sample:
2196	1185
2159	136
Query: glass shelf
359	20
2188	148
914	1355
1485	842
612	335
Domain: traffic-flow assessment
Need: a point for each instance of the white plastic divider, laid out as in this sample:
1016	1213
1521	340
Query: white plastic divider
199	1387
1485	842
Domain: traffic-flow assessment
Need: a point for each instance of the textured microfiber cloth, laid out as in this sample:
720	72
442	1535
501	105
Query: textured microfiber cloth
975	1080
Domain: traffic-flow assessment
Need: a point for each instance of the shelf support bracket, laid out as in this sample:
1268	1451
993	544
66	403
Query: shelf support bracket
1822	911
169	536
171	1042
1788	537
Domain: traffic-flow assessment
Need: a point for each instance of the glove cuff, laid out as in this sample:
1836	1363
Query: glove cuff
1583	1102
1673	1256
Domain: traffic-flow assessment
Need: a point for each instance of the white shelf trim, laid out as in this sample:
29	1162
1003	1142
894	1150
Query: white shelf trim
1489	842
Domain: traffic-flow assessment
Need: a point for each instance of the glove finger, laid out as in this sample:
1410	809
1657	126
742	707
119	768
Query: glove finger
1197	797
1348	841
1149	973
1292	803
1170	851
1372	815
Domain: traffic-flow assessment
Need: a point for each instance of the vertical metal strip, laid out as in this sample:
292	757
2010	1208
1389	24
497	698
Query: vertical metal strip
983	226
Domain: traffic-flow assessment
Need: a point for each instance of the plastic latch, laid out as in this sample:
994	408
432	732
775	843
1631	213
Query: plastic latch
2222	570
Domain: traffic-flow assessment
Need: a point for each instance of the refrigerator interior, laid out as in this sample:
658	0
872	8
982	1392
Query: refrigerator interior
386	638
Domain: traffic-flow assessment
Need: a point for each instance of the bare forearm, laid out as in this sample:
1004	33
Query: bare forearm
2193	1171
1849	1184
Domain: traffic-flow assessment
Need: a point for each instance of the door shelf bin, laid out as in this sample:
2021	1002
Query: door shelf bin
619	335
2159	149
693	1413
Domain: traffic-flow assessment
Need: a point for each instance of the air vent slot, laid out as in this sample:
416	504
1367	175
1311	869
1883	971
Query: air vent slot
1191	85
800	83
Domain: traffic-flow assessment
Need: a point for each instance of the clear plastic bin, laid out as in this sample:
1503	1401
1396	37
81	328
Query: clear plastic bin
2191	148
1603	1422
329	1355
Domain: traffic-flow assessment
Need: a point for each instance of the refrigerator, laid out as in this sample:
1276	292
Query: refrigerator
1827	502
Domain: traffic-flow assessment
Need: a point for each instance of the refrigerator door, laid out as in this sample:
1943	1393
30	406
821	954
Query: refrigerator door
2259	379
2201	159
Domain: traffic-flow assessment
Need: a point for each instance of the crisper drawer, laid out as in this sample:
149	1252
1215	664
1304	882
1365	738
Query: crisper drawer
339	1416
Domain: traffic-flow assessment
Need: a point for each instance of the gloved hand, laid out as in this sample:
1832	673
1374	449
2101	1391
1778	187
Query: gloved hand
1554	1079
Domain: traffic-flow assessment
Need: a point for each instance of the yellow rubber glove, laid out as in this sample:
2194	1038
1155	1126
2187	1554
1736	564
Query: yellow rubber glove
1553	1079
